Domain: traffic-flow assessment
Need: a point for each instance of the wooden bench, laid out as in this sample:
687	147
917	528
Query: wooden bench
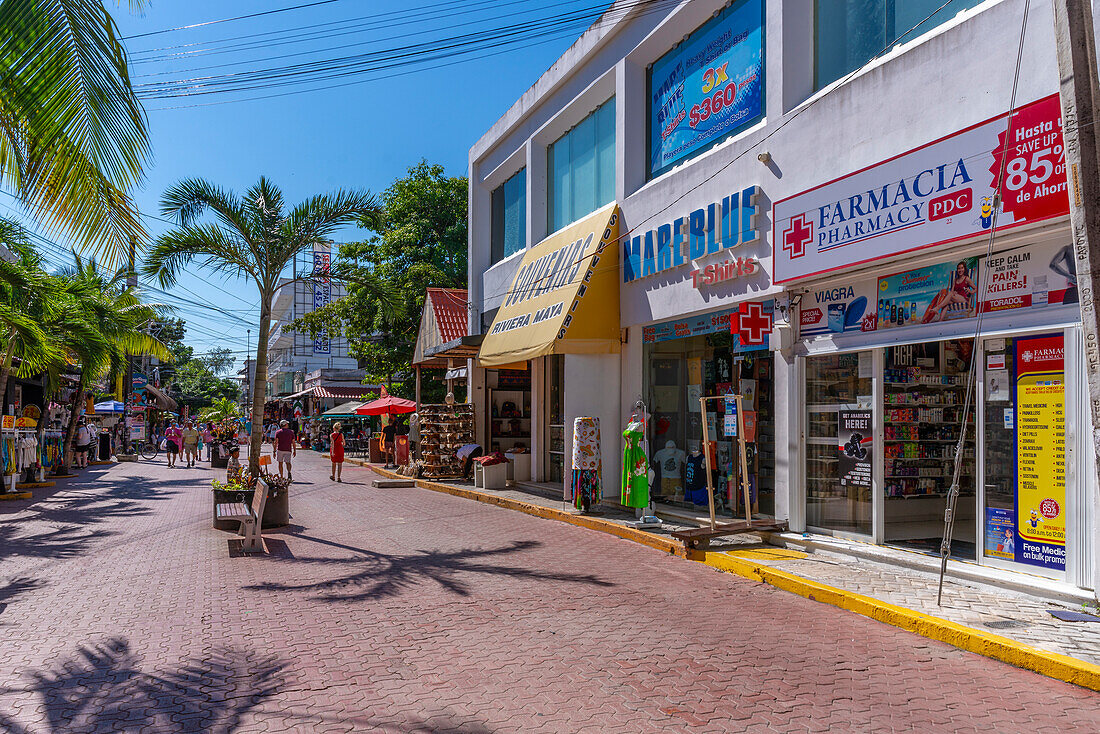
699	538
250	518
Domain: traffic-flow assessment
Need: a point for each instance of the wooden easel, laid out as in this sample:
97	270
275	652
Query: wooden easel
700	537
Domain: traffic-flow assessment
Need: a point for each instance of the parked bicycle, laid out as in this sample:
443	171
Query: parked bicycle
147	449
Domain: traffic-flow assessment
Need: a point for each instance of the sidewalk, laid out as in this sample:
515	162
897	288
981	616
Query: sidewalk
999	623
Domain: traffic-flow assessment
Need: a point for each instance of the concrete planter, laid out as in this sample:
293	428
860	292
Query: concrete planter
126	457
276	509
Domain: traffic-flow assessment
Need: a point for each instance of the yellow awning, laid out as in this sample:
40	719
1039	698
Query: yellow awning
565	296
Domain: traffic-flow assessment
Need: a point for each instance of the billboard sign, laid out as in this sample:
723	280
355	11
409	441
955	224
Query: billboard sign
322	293
938	193
708	87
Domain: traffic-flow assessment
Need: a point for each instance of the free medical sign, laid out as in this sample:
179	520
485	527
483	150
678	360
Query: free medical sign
935	194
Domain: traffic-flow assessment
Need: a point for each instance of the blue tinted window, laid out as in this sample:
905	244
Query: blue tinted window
581	167
849	33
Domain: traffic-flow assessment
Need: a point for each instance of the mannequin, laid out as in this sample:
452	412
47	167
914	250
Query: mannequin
671	460
696	479
635	483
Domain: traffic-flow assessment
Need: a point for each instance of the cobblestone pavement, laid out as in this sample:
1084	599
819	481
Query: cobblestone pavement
404	610
1010	614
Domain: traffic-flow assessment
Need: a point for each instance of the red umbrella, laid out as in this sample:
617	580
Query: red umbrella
386	404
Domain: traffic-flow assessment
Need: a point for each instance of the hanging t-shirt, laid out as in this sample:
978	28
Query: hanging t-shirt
696	480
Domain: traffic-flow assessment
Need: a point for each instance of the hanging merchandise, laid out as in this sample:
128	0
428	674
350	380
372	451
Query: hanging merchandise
635	484
587	478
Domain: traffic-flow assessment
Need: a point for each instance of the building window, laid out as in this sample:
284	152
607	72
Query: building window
509	234
849	33
581	165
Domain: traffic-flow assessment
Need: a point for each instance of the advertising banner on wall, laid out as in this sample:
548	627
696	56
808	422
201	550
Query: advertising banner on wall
708	323
139	398
1035	276
1041	451
938	193
942	292
322	292
838	309
709	86
856	430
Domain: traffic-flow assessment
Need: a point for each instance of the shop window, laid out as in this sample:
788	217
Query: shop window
924	395
581	165
509	226
679	372
849	33
838	479
555	417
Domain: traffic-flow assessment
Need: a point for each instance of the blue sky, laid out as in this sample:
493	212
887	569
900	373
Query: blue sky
358	136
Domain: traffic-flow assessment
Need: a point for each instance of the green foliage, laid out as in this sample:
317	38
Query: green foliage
72	133
222	409
219	360
420	243
254	236
196	386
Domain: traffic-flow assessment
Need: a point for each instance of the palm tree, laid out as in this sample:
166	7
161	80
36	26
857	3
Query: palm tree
222	409
28	298
112	323
250	237
73	135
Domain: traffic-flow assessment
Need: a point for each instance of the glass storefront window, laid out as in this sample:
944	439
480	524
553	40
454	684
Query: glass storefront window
924	394
838	387
679	372
555	465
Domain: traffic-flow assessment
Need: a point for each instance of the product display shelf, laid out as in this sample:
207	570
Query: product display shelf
443	430
906	399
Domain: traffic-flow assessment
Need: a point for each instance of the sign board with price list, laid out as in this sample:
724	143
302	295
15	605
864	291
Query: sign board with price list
1041	452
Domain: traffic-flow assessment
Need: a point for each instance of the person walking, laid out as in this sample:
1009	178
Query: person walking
83	443
190	438
285	448
208	439
336	452
172	441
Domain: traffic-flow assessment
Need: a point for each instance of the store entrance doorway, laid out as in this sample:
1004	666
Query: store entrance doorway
924	391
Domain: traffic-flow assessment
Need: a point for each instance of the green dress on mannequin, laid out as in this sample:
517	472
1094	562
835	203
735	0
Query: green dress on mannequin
635	487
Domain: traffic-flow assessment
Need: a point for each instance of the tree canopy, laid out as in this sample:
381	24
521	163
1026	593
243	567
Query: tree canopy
420	242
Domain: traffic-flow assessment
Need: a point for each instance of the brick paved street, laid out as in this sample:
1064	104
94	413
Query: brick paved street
411	611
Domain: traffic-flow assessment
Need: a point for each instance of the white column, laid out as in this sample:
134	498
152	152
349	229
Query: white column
592	389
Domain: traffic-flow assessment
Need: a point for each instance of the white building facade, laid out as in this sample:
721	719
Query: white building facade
823	176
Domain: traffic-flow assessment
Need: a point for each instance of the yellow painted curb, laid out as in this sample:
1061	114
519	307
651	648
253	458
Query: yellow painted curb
1053	665
34	485
15	496
549	513
100	463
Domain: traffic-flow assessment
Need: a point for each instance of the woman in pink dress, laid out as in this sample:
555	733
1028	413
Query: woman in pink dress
336	452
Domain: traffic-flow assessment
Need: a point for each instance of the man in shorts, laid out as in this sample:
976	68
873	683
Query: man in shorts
190	444
285	447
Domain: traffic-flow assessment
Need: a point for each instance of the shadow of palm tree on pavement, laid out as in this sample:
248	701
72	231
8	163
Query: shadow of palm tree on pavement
374	575
102	688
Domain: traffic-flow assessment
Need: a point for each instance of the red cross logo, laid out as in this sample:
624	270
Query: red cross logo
797	236
751	324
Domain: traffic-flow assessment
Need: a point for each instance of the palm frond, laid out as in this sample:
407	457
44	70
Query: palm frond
73	135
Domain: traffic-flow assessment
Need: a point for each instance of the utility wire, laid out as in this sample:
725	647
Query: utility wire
229	20
953	492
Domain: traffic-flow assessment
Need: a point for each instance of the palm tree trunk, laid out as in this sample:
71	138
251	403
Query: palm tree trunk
5	372
70	432
259	384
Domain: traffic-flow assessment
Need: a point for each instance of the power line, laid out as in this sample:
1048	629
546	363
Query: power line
356	64
296	35
229	20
